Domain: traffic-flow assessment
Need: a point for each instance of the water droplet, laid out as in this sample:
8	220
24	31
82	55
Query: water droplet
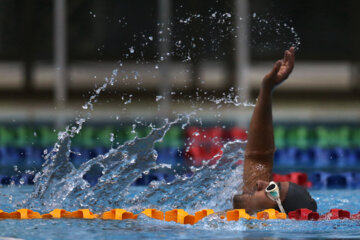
158	98
131	49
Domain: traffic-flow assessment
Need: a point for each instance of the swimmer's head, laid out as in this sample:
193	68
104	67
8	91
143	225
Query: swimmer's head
292	197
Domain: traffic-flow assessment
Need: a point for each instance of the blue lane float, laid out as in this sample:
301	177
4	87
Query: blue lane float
317	157
319	180
323	180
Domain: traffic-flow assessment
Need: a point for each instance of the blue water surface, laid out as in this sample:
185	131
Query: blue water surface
209	228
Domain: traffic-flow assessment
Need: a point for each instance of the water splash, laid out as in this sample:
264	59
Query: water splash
231	98
61	185
57	164
210	186
270	33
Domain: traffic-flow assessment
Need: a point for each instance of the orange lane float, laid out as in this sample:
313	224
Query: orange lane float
236	214
20	214
270	214
118	214
153	213
192	219
203	213
57	213
176	215
84	214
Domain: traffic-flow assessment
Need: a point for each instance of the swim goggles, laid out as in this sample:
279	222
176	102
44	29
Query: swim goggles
272	191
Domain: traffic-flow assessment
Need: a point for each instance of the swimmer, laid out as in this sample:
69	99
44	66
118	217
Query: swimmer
259	153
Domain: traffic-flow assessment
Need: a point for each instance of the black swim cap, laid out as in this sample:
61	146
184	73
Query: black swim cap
298	197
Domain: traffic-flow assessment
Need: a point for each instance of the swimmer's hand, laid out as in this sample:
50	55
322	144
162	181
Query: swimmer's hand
280	71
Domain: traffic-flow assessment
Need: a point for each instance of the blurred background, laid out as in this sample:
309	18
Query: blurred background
173	57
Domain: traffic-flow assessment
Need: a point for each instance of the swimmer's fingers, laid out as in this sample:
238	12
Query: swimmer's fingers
292	51
288	64
287	68
290	58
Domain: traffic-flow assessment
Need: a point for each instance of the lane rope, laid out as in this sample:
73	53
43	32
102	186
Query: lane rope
180	215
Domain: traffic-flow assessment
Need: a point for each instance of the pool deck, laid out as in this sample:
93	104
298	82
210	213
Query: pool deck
304	110
316	92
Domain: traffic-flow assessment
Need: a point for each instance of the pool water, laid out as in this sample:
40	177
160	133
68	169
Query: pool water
208	228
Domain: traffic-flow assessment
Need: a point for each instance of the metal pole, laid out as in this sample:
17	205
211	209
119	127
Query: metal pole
355	76
354	41
242	49
164	7
60	57
28	44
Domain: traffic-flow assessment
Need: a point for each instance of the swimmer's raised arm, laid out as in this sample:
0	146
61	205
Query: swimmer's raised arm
260	148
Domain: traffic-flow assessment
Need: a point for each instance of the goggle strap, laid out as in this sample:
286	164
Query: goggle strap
278	201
